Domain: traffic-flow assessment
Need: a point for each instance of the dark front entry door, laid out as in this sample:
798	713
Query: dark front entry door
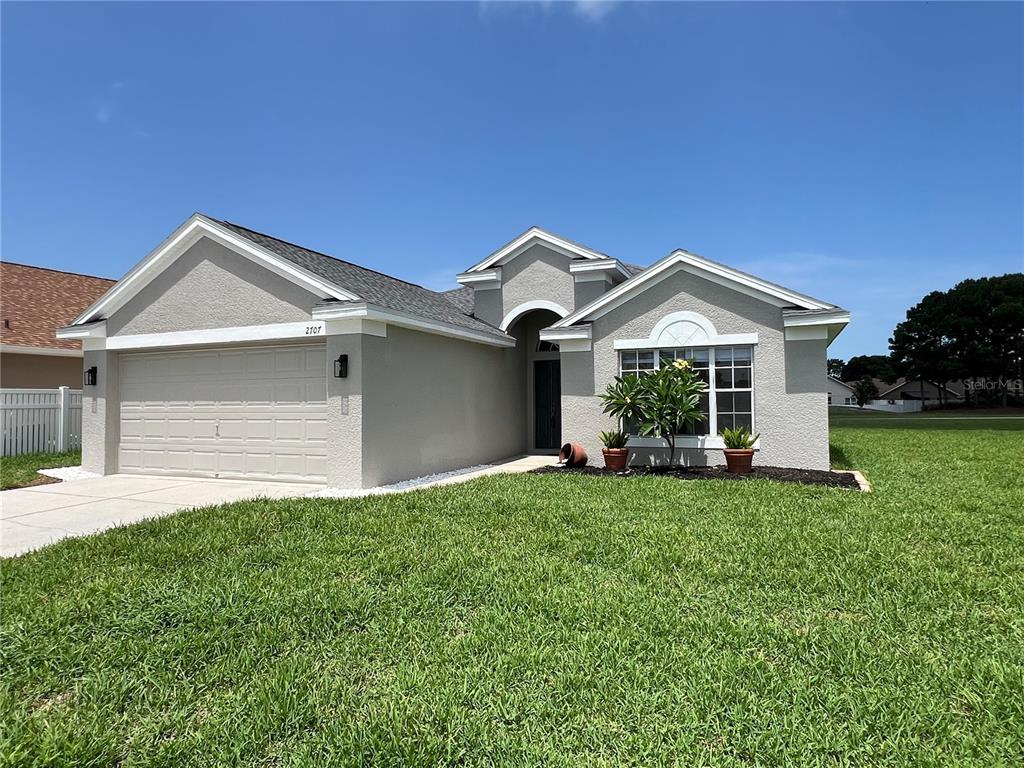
547	403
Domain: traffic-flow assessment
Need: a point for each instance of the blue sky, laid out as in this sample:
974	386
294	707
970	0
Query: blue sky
865	154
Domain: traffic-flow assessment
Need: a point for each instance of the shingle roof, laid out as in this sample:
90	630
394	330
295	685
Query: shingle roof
461	297
37	301
371	286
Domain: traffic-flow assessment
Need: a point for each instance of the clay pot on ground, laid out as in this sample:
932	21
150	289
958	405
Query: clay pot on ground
615	458
739	460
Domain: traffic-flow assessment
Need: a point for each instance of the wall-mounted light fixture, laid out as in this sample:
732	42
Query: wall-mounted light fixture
341	367
90	376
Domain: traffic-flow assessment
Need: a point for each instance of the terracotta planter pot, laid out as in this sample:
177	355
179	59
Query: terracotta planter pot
615	458
572	455
739	460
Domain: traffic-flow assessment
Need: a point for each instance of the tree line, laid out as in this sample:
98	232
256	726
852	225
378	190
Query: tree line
972	333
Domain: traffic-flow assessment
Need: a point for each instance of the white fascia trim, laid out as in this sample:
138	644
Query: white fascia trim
592	277
531	237
565	334
309	329
96	330
490	278
699	442
578	268
354	325
17	349
414	322
807	333
695	265
749	281
530	306
196	227
796	319
574	339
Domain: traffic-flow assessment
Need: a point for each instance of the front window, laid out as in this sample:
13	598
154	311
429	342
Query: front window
727	371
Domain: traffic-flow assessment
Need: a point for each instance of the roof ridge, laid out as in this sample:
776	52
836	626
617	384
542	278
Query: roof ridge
59	271
328	256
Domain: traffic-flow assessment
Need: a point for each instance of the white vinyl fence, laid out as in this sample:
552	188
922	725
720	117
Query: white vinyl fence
40	420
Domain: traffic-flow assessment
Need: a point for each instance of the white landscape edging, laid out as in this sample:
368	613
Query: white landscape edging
441	478
68	474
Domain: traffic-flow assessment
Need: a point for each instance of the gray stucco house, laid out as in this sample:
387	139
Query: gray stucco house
229	353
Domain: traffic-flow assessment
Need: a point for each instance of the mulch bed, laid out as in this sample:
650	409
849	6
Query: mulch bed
781	474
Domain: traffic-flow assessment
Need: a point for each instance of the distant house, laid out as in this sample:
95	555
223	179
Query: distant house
34	303
839	393
917	390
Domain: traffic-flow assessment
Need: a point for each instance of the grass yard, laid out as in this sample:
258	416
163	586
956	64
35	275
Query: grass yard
22	471
539	619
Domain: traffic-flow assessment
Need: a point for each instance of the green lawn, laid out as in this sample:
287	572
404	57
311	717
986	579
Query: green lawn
964	418
20	471
533	620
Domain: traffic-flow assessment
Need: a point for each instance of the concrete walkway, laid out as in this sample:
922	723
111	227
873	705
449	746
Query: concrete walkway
34	517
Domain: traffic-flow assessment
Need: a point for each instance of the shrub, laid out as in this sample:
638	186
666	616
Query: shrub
662	403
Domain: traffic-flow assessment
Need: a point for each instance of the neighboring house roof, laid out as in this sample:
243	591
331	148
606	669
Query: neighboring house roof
885	388
840	382
36	301
371	286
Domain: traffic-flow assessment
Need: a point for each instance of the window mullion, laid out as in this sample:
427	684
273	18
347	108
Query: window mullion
712	398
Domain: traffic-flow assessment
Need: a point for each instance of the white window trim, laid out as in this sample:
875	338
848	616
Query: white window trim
684	441
712	439
710	338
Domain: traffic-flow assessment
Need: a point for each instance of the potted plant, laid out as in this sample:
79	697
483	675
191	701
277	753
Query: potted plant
615	452
739	449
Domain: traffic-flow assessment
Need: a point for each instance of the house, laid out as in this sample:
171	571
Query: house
839	393
229	353
903	389
34	303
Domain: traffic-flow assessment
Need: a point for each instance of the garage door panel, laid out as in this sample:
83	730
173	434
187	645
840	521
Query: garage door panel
316	431
246	413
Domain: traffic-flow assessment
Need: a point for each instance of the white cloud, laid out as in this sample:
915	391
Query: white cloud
594	10
105	106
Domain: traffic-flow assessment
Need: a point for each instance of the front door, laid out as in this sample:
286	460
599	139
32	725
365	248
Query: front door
547	403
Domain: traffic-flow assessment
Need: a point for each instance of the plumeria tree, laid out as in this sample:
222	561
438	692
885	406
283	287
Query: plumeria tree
661	403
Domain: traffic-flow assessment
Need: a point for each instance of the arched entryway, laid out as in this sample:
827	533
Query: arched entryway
541	365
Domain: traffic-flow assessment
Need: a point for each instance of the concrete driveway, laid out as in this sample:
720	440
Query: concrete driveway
34	517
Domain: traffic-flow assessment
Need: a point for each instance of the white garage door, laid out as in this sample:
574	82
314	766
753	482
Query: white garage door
241	412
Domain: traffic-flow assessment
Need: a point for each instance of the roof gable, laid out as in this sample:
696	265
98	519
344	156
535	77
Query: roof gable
534	236
333	280
680	260
185	236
